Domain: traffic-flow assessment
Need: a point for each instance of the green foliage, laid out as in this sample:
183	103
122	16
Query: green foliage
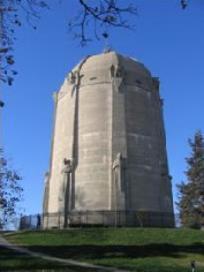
191	198
10	191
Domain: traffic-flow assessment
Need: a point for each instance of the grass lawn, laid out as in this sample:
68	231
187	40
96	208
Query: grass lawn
136	249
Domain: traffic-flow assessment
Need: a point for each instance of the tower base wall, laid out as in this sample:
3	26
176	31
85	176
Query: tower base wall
108	218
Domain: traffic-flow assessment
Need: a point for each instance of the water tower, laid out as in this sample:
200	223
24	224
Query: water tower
108	160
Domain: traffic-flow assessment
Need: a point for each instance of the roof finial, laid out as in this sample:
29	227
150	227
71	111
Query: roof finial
107	47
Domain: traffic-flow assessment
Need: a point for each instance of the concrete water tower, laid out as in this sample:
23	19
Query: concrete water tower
108	159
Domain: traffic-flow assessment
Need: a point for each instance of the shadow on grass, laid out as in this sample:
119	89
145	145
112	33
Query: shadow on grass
99	252
11	260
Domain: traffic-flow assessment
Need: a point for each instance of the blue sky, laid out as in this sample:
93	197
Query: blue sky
168	40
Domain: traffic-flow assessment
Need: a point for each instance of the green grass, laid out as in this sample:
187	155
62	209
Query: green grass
109	236
139	249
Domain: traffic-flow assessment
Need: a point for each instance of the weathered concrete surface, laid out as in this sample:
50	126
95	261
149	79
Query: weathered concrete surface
109	126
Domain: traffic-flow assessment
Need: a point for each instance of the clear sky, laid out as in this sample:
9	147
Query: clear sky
168	40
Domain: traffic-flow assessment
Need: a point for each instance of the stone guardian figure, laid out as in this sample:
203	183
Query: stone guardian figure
119	189
65	195
118	183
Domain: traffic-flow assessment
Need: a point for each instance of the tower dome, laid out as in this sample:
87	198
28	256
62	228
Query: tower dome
105	60
108	159
96	67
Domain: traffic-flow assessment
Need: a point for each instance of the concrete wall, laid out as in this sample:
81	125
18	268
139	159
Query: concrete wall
92	172
62	143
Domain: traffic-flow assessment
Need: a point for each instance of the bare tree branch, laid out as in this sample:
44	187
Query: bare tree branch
103	14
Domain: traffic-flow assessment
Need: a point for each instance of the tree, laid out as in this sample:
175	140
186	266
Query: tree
100	15
10	191
10	18
191	199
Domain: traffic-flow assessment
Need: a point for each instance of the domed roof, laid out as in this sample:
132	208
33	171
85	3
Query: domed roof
102	68
107	59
